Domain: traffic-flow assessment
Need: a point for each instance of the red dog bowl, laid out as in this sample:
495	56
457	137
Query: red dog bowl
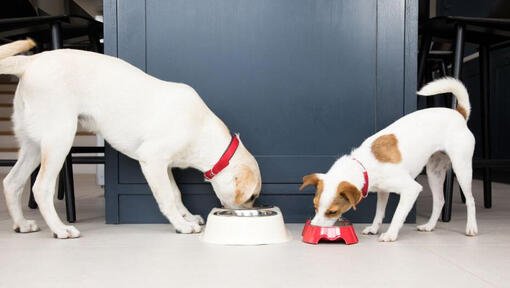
342	230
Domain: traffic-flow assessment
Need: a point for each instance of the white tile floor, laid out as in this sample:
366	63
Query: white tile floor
154	256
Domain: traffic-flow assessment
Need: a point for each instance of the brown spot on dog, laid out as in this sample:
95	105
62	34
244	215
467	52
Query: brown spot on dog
243	180
314	180
347	196
385	149
462	111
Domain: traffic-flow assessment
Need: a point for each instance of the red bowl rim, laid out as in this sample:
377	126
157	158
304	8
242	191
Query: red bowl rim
309	223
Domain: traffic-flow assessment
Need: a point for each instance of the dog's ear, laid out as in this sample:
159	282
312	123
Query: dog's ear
349	192
244	178
312	179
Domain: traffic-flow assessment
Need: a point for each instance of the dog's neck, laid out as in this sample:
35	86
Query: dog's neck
347	169
209	145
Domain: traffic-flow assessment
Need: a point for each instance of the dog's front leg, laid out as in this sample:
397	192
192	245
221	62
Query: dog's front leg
180	206
408	190
382	200
156	173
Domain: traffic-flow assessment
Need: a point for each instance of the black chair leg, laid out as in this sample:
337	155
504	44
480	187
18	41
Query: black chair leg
424	52
422	67
462	196
69	189
444	73
31	201
457	69
448	193
56	36
486	144
61	184
459	53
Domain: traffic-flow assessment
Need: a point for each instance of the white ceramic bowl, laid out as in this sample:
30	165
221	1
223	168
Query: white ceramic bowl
255	226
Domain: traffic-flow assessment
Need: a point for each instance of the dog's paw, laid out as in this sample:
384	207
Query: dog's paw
371	230
425	228
26	226
186	227
66	232
194	219
471	230
388	237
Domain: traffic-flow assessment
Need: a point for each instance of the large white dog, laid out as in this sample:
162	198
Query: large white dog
390	160
160	124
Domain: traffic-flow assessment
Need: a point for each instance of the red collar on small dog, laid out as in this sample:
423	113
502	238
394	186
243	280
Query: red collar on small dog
224	160
364	190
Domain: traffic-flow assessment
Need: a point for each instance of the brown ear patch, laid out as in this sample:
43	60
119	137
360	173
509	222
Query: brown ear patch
313	179
243	179
385	149
462	111
347	196
318	193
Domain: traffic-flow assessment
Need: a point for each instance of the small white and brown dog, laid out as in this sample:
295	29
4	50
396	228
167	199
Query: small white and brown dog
161	124
390	160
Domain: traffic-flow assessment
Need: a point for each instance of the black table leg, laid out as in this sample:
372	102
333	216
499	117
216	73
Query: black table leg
457	69
486	144
31	201
69	189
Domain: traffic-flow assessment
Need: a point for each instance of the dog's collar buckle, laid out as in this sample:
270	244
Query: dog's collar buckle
364	190
224	159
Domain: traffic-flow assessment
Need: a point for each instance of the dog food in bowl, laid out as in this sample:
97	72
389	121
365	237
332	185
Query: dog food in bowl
245	212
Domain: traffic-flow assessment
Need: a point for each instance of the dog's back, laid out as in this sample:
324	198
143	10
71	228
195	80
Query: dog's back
420	134
105	93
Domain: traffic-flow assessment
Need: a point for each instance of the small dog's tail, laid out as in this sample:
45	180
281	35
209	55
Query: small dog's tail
14	65
449	85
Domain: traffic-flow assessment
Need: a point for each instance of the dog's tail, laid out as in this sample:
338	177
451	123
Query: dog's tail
449	85
14	65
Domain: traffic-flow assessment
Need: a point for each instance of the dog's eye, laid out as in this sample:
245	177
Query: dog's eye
331	212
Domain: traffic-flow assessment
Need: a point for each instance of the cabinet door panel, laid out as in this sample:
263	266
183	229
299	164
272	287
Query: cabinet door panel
293	77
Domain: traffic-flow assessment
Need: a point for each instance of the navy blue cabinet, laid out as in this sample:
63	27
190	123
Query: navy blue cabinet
303	81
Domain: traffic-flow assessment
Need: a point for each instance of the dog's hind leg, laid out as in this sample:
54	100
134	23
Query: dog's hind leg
55	146
382	201
461	157
436	172
28	159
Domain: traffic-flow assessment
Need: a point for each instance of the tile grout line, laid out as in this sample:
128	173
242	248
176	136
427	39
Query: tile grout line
461	268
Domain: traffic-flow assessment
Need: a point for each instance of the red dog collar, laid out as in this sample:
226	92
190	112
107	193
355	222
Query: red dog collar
224	160
364	190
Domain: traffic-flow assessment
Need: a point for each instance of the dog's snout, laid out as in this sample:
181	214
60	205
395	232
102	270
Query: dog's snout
318	220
